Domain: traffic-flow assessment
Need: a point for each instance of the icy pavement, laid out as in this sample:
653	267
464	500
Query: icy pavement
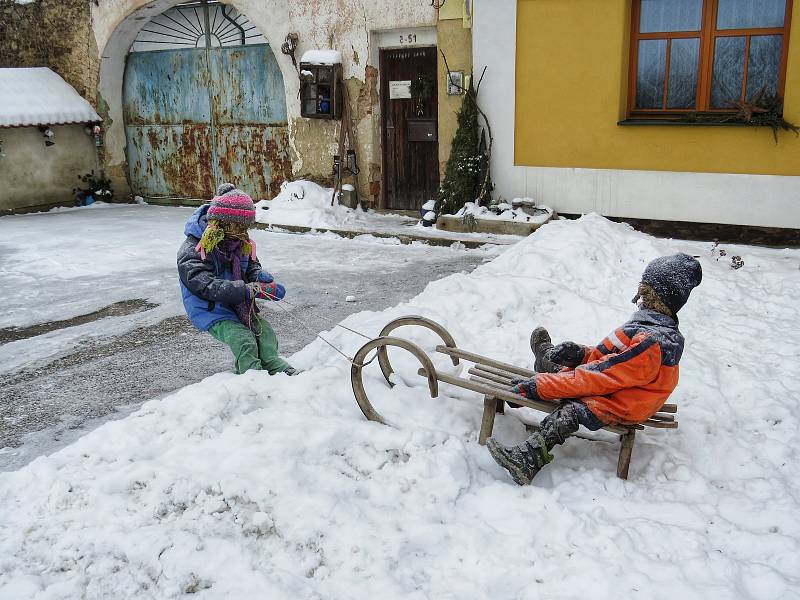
65	373
250	486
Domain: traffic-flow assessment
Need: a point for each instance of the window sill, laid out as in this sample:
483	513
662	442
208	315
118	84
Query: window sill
677	122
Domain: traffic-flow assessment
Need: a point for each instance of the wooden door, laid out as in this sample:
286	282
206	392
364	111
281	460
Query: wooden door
409	128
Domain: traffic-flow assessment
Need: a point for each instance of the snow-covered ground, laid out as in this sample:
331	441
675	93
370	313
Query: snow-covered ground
257	487
72	261
57	386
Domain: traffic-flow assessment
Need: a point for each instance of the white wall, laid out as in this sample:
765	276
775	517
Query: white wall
761	200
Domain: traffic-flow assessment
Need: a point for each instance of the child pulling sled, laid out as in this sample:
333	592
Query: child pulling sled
221	278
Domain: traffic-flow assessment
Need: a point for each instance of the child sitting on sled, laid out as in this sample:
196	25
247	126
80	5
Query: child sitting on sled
624	380
221	279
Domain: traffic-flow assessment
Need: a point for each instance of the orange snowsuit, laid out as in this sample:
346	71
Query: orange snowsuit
628	376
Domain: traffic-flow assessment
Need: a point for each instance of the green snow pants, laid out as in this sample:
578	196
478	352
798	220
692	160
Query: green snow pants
251	351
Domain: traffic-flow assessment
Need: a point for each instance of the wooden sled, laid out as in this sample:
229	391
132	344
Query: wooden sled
489	377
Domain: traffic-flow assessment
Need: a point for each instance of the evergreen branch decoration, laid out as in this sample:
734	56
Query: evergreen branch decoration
421	90
762	110
422	87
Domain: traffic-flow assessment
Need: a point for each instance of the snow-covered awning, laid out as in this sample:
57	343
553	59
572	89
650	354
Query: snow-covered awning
38	96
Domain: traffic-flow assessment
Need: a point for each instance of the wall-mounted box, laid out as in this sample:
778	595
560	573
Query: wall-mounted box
422	130
320	84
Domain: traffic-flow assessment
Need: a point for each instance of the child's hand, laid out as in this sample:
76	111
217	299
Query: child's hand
568	354
265	277
526	388
265	291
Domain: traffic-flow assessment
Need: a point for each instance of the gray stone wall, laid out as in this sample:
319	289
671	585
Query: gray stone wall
51	33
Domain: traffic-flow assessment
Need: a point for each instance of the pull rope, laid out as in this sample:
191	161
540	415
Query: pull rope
331	321
279	303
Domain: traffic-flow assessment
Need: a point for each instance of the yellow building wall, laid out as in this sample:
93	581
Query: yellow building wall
572	89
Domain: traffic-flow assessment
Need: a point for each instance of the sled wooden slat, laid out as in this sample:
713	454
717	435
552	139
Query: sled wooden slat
497	372
499	394
660	424
490	383
662	417
509	396
477	358
489	377
498	379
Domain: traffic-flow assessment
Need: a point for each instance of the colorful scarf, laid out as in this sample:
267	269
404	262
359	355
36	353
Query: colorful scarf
229	251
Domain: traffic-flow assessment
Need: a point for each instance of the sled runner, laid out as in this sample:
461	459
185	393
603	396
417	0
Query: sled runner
489	377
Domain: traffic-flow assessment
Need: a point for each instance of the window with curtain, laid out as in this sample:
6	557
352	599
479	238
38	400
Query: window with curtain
706	55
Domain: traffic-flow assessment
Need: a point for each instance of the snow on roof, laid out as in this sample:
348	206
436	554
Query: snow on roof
322	57
38	96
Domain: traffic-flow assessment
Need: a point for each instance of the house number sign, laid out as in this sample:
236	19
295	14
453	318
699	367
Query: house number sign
404	38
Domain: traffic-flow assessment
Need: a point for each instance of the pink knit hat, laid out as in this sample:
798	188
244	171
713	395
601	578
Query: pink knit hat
232	206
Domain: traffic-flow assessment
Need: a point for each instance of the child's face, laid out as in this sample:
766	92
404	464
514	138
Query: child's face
235	230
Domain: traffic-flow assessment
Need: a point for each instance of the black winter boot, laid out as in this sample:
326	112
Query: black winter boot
541	344
524	461
527	459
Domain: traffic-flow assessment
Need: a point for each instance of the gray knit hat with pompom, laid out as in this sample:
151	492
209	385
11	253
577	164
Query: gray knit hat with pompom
673	278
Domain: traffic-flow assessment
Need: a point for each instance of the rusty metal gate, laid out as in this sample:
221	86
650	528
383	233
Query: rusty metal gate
209	108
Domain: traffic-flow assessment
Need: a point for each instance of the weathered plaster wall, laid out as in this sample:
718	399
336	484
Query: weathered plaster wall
345	25
456	42
33	175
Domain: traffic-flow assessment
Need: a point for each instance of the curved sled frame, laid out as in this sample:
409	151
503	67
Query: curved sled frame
489	377
383	355
381	344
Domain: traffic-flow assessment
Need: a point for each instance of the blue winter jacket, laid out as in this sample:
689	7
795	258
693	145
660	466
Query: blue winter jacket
207	286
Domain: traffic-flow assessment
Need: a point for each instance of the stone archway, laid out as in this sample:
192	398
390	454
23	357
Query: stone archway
117	26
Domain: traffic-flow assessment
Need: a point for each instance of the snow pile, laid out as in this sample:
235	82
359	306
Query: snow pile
307	204
505	212
250	486
39	96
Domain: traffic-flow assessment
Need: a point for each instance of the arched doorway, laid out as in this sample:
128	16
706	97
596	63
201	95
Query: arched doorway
204	102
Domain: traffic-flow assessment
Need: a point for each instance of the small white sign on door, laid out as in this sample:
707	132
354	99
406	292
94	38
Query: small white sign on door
399	89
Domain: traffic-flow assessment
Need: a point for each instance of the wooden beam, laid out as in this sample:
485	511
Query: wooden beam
497	372
487	390
485	375
478	359
660	424
487	424
625	452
